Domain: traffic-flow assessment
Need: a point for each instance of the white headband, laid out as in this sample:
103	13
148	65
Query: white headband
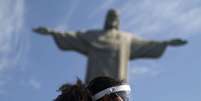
111	90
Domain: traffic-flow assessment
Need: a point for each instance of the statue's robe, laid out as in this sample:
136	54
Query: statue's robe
108	52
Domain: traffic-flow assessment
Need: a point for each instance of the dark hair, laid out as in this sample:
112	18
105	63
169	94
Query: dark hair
76	92
100	83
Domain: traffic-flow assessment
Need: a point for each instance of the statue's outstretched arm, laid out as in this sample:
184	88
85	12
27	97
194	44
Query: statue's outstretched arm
65	40
152	49
44	31
146	49
176	42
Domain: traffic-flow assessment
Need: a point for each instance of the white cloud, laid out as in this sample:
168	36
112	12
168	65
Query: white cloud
70	11
35	84
12	43
147	69
174	17
143	71
102	7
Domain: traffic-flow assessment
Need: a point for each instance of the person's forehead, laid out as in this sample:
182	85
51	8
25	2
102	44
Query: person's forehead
117	98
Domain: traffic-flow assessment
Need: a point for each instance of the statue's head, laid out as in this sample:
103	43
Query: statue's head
112	20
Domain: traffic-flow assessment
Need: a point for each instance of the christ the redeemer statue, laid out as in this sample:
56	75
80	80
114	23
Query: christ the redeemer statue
109	50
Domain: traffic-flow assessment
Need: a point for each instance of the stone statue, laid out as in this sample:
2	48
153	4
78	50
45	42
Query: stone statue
109	50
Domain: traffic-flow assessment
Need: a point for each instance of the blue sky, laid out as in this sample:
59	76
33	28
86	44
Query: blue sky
32	67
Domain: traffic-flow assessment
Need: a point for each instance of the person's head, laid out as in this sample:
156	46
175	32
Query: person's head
108	89
74	92
112	20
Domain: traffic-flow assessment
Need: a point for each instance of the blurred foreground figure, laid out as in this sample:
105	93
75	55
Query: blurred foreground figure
76	92
108	89
109	50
